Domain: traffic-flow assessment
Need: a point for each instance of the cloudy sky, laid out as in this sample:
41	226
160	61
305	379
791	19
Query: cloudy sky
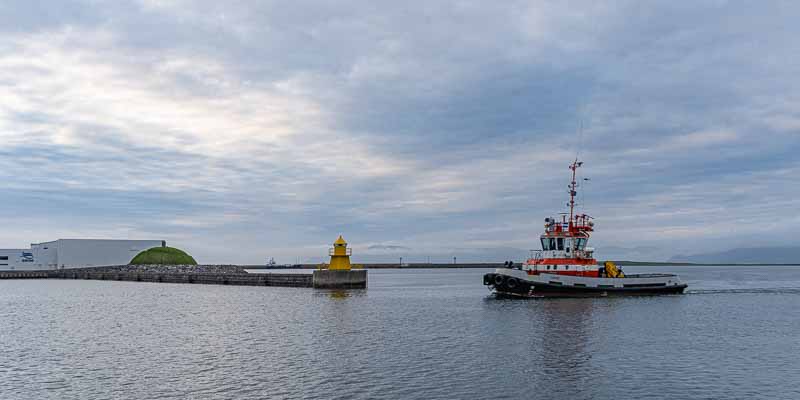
242	130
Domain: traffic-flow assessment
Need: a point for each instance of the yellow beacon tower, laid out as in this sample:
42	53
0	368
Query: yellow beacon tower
339	273
340	255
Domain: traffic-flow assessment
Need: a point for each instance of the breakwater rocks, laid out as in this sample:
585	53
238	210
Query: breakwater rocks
201	274
213	278
166	269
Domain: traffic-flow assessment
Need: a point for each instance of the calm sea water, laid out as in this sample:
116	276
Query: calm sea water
414	334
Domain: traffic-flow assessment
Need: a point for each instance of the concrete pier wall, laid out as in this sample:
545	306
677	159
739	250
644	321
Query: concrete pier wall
332	279
289	280
215	275
24	275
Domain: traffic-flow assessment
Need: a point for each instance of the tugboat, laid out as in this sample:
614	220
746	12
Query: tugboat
565	266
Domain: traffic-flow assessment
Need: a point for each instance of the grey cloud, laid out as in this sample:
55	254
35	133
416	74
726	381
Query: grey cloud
387	247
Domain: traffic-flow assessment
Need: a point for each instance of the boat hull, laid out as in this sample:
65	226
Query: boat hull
518	283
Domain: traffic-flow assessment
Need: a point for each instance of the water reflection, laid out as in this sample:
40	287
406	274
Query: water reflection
339	294
566	330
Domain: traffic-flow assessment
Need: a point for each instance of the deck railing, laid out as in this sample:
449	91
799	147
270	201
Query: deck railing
348	251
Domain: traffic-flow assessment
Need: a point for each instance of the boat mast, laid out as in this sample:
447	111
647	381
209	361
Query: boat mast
575	165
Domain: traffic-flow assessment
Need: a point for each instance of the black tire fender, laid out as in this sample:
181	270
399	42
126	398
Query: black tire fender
512	283
499	279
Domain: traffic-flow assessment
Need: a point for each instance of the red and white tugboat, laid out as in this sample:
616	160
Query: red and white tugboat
565	266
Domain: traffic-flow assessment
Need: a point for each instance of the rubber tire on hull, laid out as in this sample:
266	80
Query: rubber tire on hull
514	286
499	280
509	285
512	283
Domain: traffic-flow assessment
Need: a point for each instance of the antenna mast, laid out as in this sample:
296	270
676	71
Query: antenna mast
575	164
572	192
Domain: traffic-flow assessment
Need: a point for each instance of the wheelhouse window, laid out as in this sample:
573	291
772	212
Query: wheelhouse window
580	243
560	244
548	244
4	258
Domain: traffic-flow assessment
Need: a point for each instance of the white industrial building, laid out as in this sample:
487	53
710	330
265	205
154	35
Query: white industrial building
74	253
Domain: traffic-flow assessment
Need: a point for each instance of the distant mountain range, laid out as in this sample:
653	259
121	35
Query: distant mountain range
754	255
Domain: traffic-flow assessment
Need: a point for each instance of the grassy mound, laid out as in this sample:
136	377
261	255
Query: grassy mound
163	256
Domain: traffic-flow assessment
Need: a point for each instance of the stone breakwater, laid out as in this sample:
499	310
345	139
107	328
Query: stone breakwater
167	269
202	274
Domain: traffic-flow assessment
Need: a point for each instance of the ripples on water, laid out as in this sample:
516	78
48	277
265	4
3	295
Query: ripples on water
414	334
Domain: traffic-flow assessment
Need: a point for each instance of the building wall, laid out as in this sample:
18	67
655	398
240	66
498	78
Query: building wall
74	253
92	253
16	259
45	255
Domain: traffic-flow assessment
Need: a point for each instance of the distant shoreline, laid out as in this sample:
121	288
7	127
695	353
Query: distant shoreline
658	264
384	266
500	265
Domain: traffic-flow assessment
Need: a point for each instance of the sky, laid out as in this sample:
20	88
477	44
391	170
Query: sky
244	130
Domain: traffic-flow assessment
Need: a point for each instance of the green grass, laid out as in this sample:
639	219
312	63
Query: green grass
163	256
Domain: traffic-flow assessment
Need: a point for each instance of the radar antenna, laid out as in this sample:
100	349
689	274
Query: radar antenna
572	192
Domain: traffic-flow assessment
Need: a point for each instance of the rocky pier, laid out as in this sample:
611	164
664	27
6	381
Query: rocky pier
202	274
